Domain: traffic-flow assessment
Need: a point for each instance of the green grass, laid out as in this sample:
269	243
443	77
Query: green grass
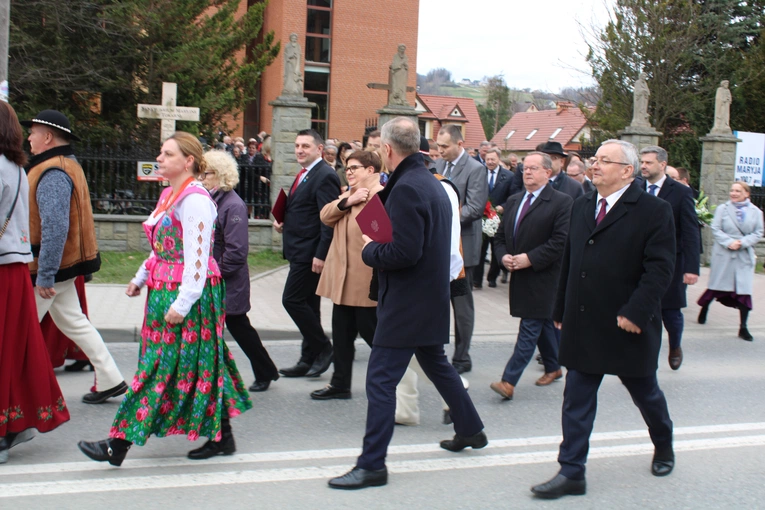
759	268
120	267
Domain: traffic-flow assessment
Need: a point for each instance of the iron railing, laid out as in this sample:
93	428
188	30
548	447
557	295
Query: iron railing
111	173
758	197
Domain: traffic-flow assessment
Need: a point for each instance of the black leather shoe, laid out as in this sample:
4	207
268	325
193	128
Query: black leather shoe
675	358
111	450
477	286
493	284
79	366
4	447
299	370
262	385
226	446
459	443
322	362
703	314
560	486
330	392
99	397
461	369
744	334
16	438
503	278
663	463
358	478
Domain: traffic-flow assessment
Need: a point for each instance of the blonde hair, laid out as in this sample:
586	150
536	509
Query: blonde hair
266	147
225	168
744	186
190	146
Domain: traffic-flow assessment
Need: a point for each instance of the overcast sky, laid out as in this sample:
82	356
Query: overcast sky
535	44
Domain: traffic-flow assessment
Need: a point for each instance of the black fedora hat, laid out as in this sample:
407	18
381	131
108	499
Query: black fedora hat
553	148
54	119
425	150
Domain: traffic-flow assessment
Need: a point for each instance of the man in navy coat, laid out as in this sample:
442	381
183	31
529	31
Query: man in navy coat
617	264
653	165
412	306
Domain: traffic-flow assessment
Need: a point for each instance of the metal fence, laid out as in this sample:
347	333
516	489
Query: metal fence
758	197
111	173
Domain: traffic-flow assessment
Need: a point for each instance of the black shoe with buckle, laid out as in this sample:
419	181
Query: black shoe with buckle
99	397
108	450
226	446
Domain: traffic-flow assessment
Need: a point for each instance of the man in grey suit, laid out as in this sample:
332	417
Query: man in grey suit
469	176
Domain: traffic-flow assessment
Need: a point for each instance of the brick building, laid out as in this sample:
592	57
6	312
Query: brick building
436	111
346	44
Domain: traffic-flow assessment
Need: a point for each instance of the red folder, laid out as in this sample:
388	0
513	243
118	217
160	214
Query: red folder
374	222
281	204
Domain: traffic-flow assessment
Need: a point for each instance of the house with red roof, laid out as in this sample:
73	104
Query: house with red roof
525	130
436	111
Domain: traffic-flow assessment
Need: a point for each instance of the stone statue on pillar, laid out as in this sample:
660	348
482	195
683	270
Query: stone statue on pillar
640	103
722	110
399	76
293	78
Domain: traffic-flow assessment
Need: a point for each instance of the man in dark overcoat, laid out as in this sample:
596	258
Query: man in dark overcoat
412	306
617	264
530	244
653	164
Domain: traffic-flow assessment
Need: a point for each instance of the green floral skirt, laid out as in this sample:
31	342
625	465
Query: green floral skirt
186	378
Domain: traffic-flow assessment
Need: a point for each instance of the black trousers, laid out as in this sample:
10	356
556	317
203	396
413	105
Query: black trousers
494	266
580	403
385	370
302	304
347	323
248	339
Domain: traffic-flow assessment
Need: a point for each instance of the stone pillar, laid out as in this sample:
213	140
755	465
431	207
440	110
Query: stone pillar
290	115
640	136
718	169
391	112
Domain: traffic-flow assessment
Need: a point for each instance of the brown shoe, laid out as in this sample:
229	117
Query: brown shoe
675	358
549	378
503	388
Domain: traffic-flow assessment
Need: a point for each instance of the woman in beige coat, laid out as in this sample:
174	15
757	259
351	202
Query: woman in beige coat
345	278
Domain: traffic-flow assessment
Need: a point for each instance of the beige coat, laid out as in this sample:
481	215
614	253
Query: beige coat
345	278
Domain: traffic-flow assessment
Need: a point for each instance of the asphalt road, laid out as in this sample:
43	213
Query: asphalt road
288	445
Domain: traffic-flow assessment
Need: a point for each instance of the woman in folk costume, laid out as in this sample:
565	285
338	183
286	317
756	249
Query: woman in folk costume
30	397
736	227
186	382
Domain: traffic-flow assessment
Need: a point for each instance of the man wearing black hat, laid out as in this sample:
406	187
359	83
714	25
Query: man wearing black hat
560	181
64	245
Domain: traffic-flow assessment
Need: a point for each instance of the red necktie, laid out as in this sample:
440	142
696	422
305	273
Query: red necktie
602	212
300	175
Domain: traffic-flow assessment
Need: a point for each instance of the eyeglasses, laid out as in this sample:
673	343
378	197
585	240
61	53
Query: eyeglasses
533	168
572	174
352	169
204	175
604	161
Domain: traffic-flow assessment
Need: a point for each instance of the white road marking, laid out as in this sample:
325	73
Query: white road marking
311	473
340	453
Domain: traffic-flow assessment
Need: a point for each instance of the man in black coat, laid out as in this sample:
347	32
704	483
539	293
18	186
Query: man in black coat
500	180
306	242
617	264
412	306
560	181
653	164
530	244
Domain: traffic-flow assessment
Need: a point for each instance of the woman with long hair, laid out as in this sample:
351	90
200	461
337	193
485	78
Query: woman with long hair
187	382
30	397
230	251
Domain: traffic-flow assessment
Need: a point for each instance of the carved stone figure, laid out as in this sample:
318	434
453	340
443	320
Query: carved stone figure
722	109
640	103
293	79
399	75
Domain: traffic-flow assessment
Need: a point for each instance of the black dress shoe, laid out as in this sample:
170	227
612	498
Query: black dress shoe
111	450
663	463
703	314
99	397
226	446
459	443
503	278
675	358
744	334
461	369
79	366
322	362
330	392
358	478
299	370
477	286
262	385
560	486
493	284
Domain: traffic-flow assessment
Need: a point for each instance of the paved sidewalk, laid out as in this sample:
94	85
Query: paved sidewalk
119	317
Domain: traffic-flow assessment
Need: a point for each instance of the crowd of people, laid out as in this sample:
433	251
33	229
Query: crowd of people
596	252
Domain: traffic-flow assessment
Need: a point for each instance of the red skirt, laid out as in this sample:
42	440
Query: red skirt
29	393
60	347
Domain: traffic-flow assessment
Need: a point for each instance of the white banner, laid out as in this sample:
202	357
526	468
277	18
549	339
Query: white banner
750	157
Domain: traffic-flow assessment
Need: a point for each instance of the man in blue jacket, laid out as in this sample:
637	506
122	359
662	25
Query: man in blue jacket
412	306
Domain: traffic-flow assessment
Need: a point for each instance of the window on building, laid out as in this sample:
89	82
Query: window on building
316	89
318	31
511	133
533	132
556	133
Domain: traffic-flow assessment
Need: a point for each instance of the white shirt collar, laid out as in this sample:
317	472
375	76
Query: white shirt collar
611	199
462	151
309	167
658	183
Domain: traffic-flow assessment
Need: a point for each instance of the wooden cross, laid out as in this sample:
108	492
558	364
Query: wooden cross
168	111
